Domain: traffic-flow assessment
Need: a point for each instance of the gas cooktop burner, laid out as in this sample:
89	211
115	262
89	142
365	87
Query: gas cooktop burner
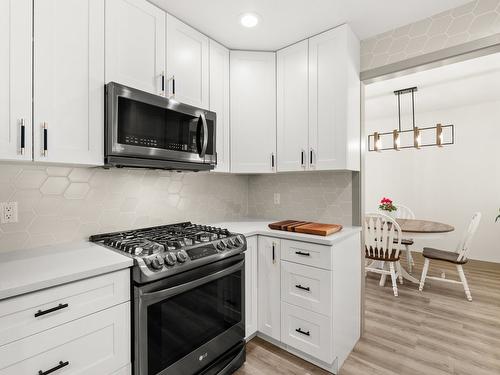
169	249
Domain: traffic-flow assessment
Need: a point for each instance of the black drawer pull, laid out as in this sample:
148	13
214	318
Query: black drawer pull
303	332
58	367
302	253
303	287
40	312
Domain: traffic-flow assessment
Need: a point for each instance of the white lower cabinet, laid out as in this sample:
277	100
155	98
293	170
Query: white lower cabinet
307	331
309	297
77	328
251	287
269	286
307	287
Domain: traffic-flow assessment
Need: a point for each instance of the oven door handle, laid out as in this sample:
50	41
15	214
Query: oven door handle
205	135
169	292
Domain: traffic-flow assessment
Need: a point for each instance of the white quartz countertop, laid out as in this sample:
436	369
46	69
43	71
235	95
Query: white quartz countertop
24	271
254	227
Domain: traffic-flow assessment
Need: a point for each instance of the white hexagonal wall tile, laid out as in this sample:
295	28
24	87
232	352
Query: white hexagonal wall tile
484	6
77	190
54	185
30	179
13	241
481	25
81	174
26	199
58	171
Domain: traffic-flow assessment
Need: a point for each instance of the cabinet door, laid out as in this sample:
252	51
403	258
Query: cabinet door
219	101
292	107
69	81
269	313
253	112
187	63
334	100
251	287
135	44
15	75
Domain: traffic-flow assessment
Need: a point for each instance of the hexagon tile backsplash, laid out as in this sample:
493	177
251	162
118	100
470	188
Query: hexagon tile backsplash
474	20
58	204
314	196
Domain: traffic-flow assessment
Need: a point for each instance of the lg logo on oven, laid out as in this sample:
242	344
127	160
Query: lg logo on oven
202	357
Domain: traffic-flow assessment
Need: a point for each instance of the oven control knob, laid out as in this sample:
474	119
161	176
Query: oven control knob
157	263
181	256
221	246
170	259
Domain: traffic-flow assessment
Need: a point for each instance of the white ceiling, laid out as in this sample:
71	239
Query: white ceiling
284	22
465	83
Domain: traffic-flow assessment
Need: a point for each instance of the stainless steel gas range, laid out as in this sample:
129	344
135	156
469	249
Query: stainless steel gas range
188	298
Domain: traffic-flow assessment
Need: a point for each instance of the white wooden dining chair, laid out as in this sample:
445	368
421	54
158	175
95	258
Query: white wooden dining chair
458	257
404	212
383	245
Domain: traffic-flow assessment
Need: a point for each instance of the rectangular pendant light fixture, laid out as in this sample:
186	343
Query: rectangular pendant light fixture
399	142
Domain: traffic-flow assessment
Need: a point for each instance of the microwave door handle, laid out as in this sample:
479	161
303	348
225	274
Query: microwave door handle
205	135
153	297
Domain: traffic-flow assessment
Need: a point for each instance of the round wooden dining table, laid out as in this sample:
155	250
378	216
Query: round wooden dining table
424	229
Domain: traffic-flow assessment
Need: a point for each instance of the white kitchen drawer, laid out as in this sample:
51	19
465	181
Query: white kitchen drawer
307	287
306	331
84	297
309	254
96	344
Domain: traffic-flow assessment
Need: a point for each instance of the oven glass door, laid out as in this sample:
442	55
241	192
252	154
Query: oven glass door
145	125
192	317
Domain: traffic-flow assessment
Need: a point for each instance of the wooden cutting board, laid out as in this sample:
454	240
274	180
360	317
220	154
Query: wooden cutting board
307	227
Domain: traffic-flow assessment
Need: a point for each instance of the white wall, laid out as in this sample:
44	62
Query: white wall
445	184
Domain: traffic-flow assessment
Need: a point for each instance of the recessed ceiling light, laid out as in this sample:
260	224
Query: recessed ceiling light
249	19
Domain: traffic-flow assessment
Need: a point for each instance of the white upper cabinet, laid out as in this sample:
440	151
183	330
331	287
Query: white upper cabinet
219	101
68	93
15	78
135	44
292	107
253	112
187	64
334	100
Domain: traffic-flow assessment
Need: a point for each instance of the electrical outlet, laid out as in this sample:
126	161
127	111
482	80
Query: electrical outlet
8	211
276	198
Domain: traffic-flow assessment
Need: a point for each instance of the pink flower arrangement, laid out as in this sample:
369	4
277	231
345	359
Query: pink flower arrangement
387	205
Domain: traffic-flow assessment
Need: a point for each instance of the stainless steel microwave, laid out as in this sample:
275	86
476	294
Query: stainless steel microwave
150	131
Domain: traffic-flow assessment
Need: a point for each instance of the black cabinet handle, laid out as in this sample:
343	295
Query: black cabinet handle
303	287
311	156
272	160
303	253
163	83
23	136
58	367
173	85
274	255
48	311
303	332
45	138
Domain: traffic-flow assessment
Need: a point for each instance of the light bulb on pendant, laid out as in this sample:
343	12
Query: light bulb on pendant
376	141
439	135
396	139
417	138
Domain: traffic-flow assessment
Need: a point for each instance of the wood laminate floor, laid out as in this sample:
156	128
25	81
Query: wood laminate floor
436	332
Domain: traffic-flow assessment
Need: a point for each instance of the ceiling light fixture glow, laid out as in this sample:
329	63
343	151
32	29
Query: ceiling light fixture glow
249	19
